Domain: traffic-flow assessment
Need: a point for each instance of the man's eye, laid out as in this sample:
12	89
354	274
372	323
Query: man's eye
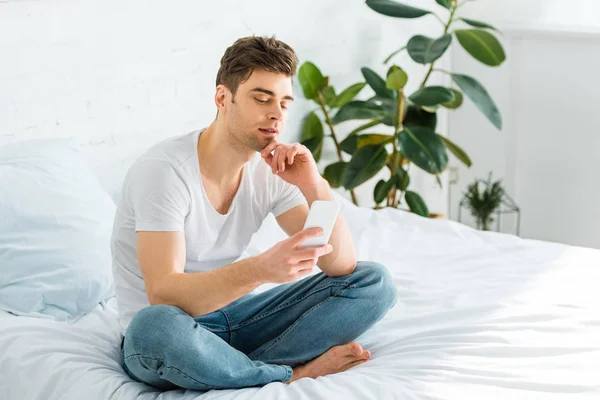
261	101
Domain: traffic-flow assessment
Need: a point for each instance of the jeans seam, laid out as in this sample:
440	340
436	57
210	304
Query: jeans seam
211	329
167	366
290	303
228	326
226	319
289	329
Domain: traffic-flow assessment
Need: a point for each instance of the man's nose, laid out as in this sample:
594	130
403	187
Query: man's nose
276	113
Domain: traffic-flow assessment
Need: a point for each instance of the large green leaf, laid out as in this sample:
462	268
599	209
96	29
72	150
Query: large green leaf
444	3
358	109
457	151
389	107
478	24
373	138
381	190
334	172
349	144
416	116
311	80
424	50
377	83
416	203
477	93
402	178
312	127
482	45
349	94
365	163
329	96
315	145
423	147
431	96
365	126
393	9
457	102
312	135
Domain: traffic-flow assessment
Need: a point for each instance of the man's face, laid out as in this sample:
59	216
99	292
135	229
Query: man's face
259	106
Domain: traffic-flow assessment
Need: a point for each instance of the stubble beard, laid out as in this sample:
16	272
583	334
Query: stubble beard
244	141
247	141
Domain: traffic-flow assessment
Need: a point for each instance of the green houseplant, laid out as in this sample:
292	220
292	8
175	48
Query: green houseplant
482	203
411	116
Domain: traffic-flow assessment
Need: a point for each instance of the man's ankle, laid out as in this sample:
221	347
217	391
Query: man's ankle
296	374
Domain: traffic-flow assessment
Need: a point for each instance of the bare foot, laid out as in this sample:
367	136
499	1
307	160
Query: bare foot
334	360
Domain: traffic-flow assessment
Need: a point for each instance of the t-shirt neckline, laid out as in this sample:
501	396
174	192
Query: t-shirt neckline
196	138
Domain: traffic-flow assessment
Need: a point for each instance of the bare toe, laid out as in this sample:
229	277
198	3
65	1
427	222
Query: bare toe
355	349
353	364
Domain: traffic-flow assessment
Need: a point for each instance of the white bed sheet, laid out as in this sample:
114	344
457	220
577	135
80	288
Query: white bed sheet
480	315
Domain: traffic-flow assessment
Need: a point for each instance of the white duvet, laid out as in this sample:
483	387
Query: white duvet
479	316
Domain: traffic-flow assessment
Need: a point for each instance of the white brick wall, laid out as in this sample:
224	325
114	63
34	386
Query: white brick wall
121	75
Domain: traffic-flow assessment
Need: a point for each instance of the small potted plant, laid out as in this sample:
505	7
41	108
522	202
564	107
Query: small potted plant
482	198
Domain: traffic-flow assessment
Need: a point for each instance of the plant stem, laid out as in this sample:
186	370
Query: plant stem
330	124
446	27
438	18
391	196
393	54
442	71
365	126
402	192
396	133
337	144
427	75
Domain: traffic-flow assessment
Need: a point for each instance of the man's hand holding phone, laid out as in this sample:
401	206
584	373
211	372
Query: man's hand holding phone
287	261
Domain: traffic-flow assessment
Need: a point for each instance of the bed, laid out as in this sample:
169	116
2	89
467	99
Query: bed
480	315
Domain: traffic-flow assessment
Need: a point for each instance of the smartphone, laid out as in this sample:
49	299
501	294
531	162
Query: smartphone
322	214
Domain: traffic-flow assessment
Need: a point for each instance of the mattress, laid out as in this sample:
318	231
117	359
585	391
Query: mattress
479	315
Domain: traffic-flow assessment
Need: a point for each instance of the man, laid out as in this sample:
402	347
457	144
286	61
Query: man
188	209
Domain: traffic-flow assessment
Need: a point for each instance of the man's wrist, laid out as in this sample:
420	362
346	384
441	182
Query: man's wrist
255	277
318	191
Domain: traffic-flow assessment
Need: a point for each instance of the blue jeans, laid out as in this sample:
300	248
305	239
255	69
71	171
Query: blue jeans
258	338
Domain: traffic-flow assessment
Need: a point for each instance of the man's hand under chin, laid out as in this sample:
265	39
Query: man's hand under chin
293	163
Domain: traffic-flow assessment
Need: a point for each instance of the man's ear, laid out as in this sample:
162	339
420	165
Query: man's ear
220	97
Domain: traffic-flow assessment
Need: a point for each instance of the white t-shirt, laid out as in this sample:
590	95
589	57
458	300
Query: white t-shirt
162	191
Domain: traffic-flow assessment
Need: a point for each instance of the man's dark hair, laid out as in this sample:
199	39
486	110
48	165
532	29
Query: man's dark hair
255	52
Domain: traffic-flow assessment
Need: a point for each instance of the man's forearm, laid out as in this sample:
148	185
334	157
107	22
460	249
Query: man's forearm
342	260
201	293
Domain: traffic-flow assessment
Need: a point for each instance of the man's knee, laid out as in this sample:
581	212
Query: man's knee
378	278
152	325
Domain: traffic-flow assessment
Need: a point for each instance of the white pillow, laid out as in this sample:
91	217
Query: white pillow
55	227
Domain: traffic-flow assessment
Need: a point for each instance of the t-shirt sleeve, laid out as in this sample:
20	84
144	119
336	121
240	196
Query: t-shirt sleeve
285	196
159	197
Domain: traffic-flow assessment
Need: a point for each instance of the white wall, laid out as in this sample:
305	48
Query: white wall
122	75
553	15
548	151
